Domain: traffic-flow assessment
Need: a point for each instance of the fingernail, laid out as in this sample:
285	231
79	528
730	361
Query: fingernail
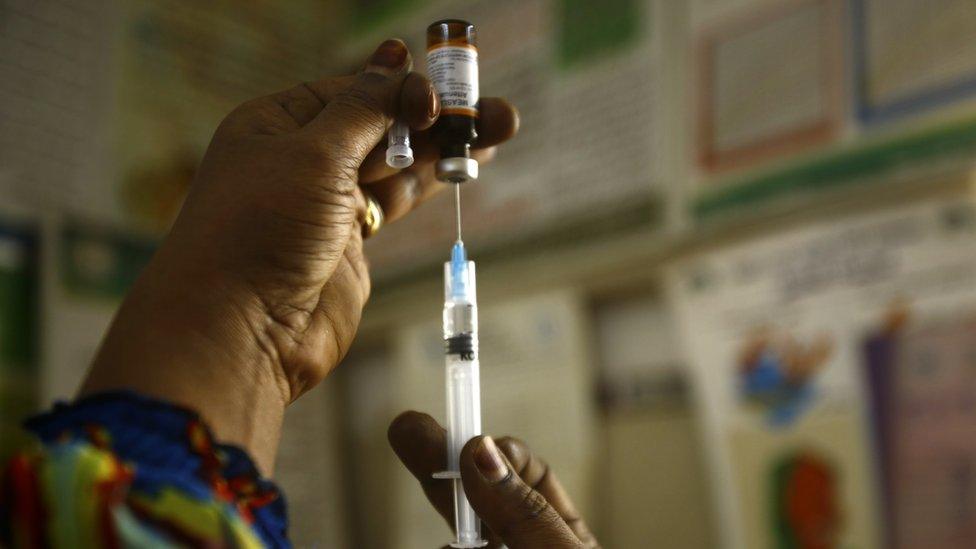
489	460
391	55
433	102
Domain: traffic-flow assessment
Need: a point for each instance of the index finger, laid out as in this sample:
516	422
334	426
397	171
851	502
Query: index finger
421	444
417	104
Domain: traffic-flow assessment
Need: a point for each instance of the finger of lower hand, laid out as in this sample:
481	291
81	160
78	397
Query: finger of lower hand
421	444
520	515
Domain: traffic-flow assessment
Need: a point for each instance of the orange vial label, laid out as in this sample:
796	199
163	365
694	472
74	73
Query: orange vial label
453	69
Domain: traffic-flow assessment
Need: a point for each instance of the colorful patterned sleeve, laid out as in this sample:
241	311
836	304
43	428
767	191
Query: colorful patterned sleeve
121	470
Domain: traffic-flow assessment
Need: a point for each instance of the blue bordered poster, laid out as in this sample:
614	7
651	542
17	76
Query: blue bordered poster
910	56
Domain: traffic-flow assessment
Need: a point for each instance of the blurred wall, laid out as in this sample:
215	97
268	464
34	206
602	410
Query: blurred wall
652	492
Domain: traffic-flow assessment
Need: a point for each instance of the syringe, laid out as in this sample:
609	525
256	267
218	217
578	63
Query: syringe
463	385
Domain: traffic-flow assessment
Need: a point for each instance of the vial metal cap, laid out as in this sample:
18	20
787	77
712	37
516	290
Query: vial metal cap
457	169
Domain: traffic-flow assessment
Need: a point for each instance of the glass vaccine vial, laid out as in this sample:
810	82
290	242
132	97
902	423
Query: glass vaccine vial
452	66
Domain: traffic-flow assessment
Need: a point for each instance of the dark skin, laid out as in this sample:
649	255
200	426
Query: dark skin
257	292
514	492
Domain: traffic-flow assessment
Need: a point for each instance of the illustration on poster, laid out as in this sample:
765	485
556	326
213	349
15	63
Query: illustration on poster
805	511
777	373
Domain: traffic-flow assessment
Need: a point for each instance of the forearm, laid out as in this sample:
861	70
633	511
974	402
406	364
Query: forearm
197	348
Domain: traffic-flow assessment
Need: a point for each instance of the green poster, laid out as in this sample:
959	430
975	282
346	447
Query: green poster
17	301
861	164
589	30
18	334
370	14
101	263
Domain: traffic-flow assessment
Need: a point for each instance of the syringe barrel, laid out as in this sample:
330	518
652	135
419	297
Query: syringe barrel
463	405
461	366
463	388
463	424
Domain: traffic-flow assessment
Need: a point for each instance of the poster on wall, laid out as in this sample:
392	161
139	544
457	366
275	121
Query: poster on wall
591	30
795	489
182	67
760	96
703	13
900	76
19	301
775	330
95	267
922	389
55	102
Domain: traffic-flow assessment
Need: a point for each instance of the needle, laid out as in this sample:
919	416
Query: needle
457	209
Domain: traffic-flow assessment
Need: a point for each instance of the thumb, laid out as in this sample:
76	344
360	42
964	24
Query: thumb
515	512
357	118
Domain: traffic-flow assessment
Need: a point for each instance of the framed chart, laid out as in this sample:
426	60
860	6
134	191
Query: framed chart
896	77
761	94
